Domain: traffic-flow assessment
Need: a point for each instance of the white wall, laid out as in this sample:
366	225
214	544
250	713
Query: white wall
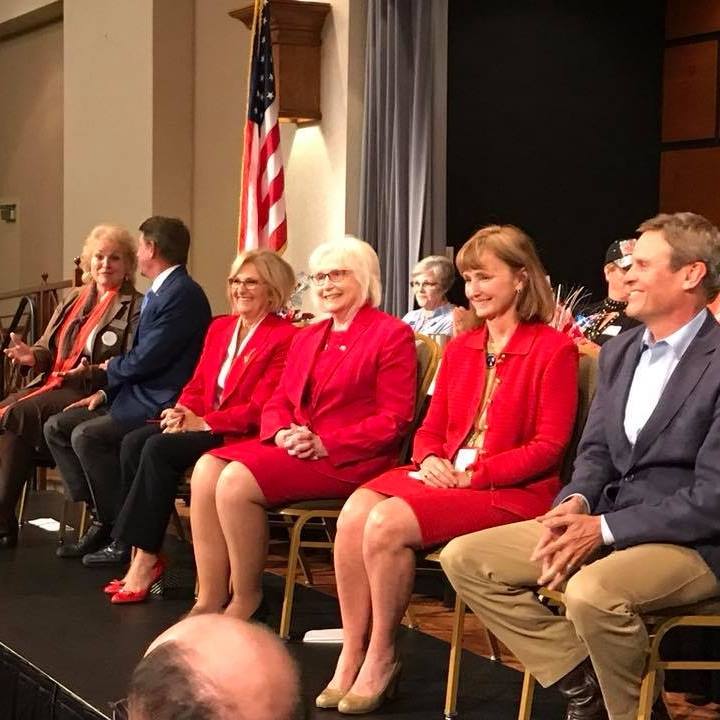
31	156
108	116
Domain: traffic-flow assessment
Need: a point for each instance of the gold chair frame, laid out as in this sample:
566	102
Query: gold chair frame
298	514
703	614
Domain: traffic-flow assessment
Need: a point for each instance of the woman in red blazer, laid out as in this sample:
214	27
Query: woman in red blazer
338	418
240	366
488	453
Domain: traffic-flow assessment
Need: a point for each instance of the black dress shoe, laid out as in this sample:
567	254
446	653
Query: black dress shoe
116	553
581	687
97	536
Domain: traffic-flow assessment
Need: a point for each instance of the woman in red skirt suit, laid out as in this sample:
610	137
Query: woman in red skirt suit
488	453
344	402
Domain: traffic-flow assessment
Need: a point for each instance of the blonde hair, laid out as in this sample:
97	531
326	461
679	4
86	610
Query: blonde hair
118	236
692	238
516	249
350	253
278	276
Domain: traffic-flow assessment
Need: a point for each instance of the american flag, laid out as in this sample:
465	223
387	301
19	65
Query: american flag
262	204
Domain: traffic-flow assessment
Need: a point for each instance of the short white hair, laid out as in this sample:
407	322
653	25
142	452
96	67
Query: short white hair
440	266
350	253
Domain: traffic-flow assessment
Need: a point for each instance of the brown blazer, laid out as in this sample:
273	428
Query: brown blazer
113	337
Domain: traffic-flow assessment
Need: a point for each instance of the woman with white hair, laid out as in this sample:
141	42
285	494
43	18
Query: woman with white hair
343	405
430	280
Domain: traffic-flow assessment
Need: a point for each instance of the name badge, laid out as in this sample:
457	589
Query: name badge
109	338
465	457
612	330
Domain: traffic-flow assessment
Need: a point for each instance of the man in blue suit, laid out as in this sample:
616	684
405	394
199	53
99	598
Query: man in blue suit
86	439
638	527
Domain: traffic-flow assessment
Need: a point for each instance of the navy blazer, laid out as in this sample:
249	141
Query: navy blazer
165	350
665	488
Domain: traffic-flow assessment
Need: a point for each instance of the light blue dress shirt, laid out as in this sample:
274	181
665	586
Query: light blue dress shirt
658	360
439	322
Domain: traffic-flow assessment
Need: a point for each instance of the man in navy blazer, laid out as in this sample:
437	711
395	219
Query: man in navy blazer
638	527
86	438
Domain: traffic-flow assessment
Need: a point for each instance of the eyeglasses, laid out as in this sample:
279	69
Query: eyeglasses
417	285
333	276
248	284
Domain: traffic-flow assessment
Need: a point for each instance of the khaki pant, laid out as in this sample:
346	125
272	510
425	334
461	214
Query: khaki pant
492	572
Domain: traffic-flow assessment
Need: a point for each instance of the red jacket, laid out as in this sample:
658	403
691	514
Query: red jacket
530	417
363	408
252	379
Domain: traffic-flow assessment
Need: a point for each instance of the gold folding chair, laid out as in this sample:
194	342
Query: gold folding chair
704	614
587	382
298	514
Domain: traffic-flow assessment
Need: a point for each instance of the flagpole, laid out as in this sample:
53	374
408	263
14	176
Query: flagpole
256	13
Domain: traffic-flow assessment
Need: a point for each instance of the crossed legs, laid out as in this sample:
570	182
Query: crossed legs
375	568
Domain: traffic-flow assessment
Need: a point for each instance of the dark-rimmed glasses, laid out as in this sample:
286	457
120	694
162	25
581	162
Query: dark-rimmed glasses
424	285
333	276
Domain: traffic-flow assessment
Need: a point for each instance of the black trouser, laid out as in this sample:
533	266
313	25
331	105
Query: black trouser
86	446
157	464
16	464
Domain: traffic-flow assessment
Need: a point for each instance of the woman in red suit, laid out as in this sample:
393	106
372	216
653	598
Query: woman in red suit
488	453
240	366
338	417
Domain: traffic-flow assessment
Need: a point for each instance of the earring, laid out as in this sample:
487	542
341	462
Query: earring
518	290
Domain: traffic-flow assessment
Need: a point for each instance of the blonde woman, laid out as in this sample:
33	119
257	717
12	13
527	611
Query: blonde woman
343	405
92	324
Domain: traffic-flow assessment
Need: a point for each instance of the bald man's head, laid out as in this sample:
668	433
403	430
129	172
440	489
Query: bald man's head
211	667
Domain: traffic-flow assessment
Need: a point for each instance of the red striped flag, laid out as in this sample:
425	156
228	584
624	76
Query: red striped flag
262	222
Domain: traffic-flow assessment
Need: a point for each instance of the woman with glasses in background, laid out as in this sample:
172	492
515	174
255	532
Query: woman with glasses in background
431	279
240	366
338	417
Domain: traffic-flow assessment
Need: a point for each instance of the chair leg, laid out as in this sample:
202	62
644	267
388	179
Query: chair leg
83	520
453	679
493	644
293	552
526	698
63	522
646	692
22	504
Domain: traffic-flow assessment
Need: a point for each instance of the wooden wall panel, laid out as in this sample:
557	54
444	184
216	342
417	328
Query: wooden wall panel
690	91
691	17
689	180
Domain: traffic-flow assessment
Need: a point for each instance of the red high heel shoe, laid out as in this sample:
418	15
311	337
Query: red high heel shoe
114	586
155	587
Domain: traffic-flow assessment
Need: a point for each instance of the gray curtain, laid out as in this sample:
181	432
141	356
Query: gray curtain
402	196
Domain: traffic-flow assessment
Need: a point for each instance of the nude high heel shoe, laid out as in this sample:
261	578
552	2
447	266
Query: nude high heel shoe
353	704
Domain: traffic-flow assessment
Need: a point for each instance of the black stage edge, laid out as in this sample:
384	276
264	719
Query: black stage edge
66	652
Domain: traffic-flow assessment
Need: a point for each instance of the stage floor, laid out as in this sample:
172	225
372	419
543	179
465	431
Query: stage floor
55	618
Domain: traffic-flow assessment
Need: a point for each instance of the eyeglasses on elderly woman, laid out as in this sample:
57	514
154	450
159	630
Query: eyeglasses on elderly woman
334	276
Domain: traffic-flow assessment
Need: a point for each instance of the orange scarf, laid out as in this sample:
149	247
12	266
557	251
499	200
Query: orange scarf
59	366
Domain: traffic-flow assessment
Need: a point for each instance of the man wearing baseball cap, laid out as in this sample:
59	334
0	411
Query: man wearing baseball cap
607	319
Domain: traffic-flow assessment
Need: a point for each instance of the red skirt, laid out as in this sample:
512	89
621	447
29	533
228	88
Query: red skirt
284	478
442	513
